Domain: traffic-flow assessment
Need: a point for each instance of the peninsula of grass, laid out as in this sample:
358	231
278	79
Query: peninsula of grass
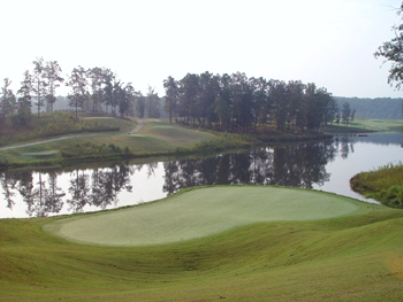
384	184
292	245
155	138
59	138
100	146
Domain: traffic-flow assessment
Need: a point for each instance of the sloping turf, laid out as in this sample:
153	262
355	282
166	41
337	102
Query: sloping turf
201	212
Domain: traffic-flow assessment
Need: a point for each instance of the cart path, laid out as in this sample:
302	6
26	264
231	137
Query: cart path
46	141
140	125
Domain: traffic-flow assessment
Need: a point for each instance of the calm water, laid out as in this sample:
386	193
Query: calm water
325	165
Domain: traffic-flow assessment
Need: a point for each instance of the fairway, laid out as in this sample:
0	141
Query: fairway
202	212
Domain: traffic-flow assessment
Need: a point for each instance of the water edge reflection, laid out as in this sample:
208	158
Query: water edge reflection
53	192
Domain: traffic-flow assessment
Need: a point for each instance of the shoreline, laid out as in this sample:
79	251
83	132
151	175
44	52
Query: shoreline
203	148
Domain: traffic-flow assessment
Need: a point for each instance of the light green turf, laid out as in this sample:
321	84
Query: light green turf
48	153
203	212
164	126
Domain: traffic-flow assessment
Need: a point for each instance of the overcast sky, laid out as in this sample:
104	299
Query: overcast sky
330	43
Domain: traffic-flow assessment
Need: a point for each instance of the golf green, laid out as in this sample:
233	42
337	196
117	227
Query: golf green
201	212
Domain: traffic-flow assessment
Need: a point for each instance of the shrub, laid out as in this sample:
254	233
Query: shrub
385	184
392	196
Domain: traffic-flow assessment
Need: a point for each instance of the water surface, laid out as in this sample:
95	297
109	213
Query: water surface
323	165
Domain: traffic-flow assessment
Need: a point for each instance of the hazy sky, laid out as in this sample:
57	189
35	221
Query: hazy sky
330	43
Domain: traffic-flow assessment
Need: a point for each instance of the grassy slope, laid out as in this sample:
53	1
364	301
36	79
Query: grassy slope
50	125
159	137
357	258
155	137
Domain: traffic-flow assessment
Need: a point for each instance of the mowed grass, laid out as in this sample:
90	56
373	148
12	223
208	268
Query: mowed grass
365	125
162	137
156	137
202	212
354	257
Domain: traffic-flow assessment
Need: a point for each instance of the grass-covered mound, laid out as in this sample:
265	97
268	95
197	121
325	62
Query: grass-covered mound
358	257
156	137
54	124
202	212
384	184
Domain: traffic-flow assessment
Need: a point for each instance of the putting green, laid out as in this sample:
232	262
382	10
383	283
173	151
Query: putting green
163	126
202	212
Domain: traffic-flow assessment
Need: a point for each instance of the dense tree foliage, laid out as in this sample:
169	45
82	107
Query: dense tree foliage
345	113
238	103
152	103
7	103
38	83
78	83
94	90
54	79
171	97
227	102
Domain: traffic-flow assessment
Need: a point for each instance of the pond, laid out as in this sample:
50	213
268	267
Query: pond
323	165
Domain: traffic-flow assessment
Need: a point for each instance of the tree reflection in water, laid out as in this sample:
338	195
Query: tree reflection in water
47	192
293	165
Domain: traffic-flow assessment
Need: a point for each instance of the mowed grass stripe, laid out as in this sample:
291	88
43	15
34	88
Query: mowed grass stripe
202	212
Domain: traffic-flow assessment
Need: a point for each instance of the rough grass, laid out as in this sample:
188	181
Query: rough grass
350	258
384	184
203	212
52	125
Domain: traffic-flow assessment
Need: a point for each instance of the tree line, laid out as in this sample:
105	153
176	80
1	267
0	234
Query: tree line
38	85
224	102
236	102
96	90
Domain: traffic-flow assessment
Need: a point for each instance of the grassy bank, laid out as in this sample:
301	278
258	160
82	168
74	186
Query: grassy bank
356	256
59	138
384	184
54	124
156	137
